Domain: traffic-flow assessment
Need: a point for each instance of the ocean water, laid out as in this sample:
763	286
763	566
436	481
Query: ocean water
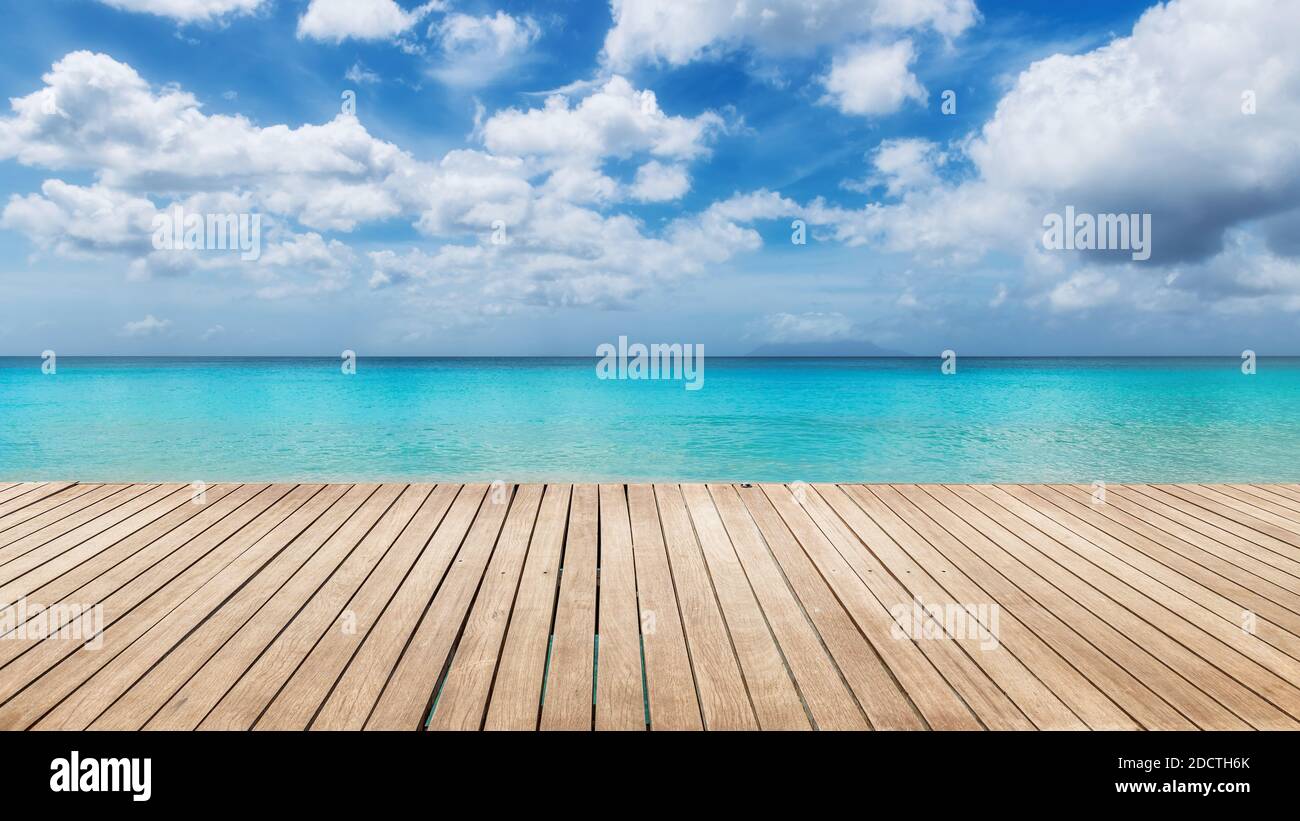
779	420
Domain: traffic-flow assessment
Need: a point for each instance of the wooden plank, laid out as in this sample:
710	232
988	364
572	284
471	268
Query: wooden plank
52	511
568	696
1218	595
1273	540
821	535
46	562
1223	543
1016	636
776	701
227	600
720	685
620	696
1253	513
1236	652
1039	704
1112	662
405	701
38	498
825	694
55	670
349	703
670	685
1276	493
1041	532
883	701
10	490
23	496
1021	541
1184	547
131	582
181	646
857	544
462	701
716	606
517	693
1261	497
65	518
70	571
236	675
241	704
296	702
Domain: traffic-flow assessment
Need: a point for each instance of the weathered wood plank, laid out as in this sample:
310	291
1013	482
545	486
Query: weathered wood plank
679	607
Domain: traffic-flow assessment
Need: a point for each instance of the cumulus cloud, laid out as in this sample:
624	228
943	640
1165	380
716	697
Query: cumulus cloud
477	50
339	20
903	165
656	182
569	255
1083	290
615	121
572	141
872	79
806	327
98	114
681	31
188	11
78	221
149	326
540	179
1150	123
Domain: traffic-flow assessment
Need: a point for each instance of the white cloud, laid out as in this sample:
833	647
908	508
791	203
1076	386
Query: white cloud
76	221
499	34
656	182
148	149
565	254
681	31
339	20
1150	123
448	262
149	326
1086	289
903	165
581	184
615	121
477	50
97	114
806	327
309	251
187	11
361	75
1000	297
212	332
872	79
468	191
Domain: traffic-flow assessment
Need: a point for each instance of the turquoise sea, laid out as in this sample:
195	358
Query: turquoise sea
780	420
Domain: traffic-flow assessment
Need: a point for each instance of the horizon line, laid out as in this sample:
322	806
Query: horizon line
597	357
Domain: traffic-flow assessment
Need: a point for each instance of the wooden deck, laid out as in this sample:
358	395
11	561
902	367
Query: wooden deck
667	607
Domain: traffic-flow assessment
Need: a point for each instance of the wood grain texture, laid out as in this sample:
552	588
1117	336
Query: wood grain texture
661	607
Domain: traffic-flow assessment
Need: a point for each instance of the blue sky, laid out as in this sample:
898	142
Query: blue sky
645	163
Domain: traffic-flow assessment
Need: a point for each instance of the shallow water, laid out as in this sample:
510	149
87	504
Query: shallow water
780	420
